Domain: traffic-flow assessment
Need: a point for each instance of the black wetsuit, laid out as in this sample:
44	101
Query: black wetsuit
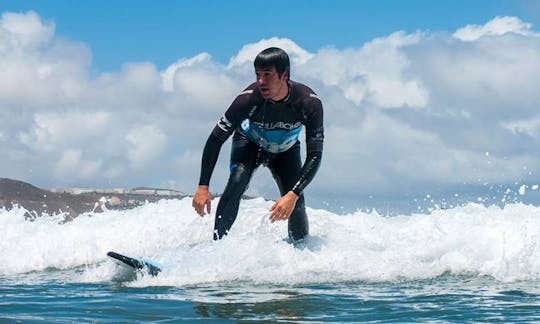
266	132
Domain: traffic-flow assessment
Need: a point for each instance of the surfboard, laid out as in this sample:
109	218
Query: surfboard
139	264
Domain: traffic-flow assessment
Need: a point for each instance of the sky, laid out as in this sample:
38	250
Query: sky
420	97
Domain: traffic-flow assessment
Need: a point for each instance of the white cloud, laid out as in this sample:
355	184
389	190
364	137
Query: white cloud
192	84
168	75
72	164
495	27
136	87
402	112
529	126
247	54
23	32
36	68
371	75
195	83
486	76
56	131
146	143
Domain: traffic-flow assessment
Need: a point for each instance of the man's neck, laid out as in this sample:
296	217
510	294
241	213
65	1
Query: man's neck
283	94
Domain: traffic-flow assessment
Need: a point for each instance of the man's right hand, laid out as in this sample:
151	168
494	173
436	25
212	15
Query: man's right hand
202	199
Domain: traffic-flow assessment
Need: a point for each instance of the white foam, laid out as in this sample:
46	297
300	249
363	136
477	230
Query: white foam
473	239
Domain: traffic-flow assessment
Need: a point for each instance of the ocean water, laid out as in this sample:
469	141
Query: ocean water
470	263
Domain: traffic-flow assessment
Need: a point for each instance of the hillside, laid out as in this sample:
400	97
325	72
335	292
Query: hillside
39	201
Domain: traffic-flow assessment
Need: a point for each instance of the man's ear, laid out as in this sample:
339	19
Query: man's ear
286	75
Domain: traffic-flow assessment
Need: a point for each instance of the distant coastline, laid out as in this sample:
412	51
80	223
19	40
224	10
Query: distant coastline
72	202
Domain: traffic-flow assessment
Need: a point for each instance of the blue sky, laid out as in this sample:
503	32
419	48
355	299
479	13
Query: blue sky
161	31
419	96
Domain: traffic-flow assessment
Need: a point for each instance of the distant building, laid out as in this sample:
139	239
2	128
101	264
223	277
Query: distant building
120	191
78	191
73	191
142	192
156	191
110	191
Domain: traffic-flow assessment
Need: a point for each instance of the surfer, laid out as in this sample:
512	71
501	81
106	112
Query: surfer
266	119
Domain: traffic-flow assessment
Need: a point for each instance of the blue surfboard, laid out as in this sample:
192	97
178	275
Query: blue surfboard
138	264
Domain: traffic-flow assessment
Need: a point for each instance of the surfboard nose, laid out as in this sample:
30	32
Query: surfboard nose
138	264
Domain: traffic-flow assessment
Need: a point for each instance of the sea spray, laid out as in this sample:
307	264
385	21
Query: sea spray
472	240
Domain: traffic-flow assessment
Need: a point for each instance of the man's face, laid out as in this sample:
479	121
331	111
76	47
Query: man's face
271	85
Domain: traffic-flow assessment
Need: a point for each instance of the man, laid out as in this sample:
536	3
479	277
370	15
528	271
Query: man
266	119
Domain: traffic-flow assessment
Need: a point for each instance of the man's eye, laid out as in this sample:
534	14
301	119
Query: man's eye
264	74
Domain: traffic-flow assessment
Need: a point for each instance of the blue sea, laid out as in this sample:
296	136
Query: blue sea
468	263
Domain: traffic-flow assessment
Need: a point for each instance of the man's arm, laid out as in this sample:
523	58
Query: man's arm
221	132
309	169
284	206
210	155
314	142
202	199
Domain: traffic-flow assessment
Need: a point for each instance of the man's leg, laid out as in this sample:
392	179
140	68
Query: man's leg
285	168
243	163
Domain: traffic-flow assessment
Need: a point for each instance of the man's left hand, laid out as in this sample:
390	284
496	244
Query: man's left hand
283	207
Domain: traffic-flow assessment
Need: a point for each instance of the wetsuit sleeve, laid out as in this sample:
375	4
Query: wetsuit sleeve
210	157
314	142
313	114
221	132
309	169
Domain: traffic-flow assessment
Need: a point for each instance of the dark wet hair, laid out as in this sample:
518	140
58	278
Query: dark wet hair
273	56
